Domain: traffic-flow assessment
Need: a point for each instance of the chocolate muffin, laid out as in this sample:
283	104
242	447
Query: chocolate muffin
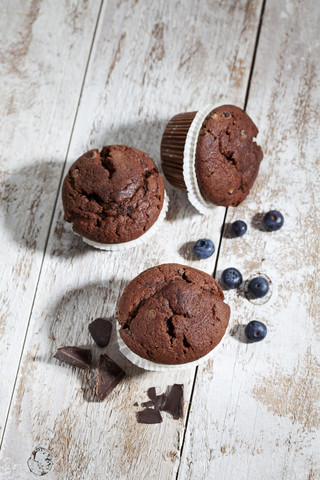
211	155
227	158
112	196
172	314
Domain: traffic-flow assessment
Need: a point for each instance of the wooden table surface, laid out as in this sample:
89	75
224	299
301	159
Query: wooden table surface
79	74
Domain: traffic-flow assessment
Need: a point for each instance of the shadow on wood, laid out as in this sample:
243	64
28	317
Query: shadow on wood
27	201
67	324
227	233
257	222
186	251
237	332
30	194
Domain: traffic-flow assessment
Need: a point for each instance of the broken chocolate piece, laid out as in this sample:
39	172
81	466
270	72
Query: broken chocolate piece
148	404
152	394
136	404
108	376
100	331
149	416
157	400
174	402
75	356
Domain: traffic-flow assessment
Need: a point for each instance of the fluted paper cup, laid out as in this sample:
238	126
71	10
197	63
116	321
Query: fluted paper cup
116	247
160	367
178	154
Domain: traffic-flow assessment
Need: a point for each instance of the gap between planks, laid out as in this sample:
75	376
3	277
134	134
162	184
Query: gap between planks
51	221
223	224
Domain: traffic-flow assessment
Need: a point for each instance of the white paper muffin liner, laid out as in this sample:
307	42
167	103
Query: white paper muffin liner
189	169
116	247
160	367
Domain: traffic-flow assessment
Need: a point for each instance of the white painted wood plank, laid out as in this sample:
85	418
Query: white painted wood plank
261	401
150	61
44	51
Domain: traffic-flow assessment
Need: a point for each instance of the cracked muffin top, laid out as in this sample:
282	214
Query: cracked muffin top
172	314
112	196
227	158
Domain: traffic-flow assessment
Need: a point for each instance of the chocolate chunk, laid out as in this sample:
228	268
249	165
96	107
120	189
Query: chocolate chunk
100	331
149	416
75	356
108	376
136	404
174	402
157	400
148	404
152	394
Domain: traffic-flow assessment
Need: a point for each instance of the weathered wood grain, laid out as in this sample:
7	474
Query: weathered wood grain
43	55
261	401
149	61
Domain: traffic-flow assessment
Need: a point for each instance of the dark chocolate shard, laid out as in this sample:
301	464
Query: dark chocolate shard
75	356
157	400
108	376
148	404
149	416
152	394
136	404
174	402
100	331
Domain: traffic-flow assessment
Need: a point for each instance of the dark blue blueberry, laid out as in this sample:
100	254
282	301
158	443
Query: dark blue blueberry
255	331
258	287
239	228
231	278
203	248
273	220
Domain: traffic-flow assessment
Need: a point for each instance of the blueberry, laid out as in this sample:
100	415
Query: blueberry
255	331
273	220
239	228
231	277
203	248
258	287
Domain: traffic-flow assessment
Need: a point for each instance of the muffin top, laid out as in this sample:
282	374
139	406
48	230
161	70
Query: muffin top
172	314
112	196
227	158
